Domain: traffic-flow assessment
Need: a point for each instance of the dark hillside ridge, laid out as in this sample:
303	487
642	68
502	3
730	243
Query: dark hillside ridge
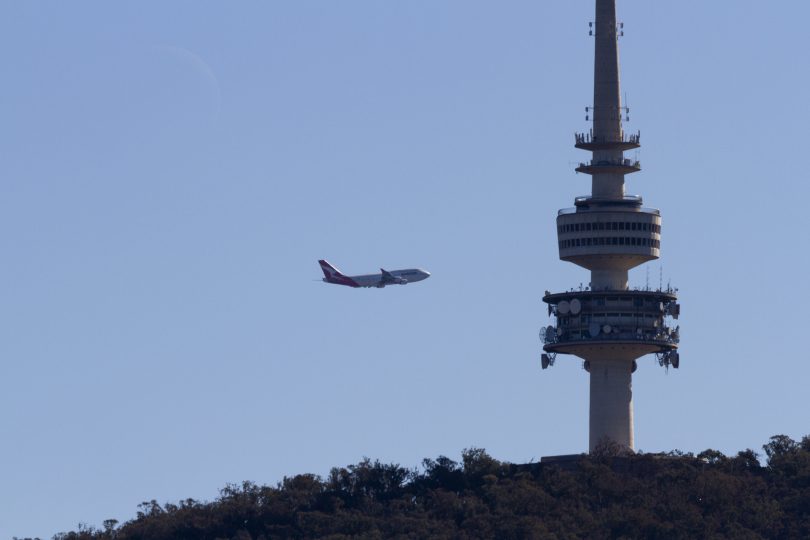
603	495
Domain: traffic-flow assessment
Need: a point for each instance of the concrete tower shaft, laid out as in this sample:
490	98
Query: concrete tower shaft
607	117
607	324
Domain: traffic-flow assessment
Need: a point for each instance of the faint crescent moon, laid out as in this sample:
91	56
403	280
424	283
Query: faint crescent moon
199	65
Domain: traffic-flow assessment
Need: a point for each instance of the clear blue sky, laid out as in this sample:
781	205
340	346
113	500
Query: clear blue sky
171	171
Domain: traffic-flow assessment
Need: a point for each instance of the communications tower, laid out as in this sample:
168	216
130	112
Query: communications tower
608	324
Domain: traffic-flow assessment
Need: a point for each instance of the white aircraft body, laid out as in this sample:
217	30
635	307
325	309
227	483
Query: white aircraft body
394	277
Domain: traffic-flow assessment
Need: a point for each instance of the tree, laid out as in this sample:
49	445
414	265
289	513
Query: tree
779	447
712	457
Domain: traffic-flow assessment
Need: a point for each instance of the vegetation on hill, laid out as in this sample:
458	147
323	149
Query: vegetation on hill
604	495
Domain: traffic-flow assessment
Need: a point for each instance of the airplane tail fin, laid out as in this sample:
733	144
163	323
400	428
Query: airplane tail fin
329	271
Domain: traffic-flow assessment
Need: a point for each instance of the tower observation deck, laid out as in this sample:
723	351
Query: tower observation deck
608	324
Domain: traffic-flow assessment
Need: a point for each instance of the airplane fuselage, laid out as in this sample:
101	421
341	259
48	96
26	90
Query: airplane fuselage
375	280
386	277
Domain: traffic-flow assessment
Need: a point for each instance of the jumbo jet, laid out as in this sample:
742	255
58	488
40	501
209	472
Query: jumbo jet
394	277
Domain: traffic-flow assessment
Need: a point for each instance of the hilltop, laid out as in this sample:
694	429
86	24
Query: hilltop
604	495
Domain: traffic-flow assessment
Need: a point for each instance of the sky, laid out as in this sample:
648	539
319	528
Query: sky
170	172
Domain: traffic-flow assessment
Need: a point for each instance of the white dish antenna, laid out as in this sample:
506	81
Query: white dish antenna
576	306
550	333
607	328
563	308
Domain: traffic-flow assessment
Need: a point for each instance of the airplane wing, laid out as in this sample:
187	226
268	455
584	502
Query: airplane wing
388	278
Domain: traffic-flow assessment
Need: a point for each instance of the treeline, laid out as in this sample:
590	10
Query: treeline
604	495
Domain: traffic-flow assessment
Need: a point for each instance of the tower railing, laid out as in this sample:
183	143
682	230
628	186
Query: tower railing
624	162
661	338
633	201
589	138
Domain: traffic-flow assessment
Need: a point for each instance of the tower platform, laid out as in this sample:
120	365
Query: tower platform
631	323
589	142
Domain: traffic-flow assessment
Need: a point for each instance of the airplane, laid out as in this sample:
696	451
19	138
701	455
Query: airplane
394	277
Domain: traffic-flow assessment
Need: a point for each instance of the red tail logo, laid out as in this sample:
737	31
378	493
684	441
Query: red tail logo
333	275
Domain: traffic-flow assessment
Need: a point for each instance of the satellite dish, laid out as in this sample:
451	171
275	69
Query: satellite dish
593	329
563	307
544	361
559	331
550	333
638	331
606	329
576	306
